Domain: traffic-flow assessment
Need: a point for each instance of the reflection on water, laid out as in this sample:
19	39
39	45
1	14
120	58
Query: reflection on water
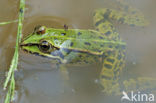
39	80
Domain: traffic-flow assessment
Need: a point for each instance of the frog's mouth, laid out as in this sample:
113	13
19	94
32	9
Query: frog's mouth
33	48
28	44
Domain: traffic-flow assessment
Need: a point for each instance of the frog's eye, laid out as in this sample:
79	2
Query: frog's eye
45	46
40	29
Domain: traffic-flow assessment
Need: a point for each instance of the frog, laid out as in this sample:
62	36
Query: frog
102	44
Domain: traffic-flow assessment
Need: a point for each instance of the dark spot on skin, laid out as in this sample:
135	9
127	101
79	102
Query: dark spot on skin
21	10
79	33
121	20
108	33
86	43
110	46
105	77
104	56
109	52
108	66
67	51
119	56
99	22
80	56
106	15
110	60
71	44
101	37
63	34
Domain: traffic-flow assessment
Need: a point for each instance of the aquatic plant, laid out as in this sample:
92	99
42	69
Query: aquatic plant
9	83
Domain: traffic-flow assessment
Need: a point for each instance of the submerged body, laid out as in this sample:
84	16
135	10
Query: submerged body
76	46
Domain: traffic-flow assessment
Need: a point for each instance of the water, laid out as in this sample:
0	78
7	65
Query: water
38	80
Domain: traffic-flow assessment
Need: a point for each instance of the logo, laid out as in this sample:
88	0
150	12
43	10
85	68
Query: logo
137	97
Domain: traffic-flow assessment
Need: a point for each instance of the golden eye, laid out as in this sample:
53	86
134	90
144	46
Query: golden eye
40	29
45	46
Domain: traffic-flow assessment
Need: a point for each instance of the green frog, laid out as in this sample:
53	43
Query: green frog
103	44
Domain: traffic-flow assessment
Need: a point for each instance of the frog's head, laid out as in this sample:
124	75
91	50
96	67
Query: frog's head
40	43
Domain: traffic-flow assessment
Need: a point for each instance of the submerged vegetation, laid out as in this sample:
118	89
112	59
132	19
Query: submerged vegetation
9	83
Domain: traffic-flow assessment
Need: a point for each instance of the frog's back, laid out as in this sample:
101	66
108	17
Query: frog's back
87	41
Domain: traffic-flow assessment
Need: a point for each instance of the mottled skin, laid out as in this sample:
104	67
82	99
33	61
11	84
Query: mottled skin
76	46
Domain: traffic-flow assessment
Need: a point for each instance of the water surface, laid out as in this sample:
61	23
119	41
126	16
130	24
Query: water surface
39	80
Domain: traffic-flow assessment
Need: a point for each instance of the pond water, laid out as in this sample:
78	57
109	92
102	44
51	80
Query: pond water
40	81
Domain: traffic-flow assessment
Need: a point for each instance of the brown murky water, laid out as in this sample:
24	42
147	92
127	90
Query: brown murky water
39	81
